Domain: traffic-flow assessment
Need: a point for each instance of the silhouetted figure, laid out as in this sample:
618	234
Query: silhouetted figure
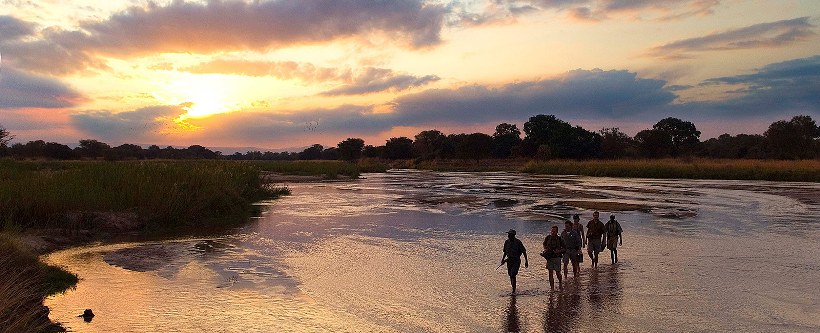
553	252
513	249
576	224
572	242
614	235
511	322
87	315
595	231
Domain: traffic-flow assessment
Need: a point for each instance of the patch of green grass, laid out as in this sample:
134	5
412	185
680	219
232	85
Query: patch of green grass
801	171
26	282
326	169
163	195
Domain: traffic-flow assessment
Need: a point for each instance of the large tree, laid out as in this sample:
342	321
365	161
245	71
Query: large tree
793	139
92	148
398	148
615	144
506	138
555	138
429	144
654	143
684	137
350	149
313	152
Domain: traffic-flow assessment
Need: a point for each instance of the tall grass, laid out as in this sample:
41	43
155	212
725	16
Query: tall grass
161	194
327	169
805	171
25	283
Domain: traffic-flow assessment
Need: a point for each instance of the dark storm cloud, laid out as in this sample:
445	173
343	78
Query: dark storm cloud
763	35
231	25
23	90
785	87
589	93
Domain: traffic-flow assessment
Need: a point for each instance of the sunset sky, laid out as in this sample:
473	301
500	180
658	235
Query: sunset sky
290	73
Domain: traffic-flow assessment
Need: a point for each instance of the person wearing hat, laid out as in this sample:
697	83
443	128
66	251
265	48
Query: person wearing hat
513	249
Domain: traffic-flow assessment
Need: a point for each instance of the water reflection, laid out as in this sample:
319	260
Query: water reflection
511	321
600	296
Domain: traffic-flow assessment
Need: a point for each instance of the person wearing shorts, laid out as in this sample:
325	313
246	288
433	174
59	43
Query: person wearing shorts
596	234
614	235
513	249
572	242
553	252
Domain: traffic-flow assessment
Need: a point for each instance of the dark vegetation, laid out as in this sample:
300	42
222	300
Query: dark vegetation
545	137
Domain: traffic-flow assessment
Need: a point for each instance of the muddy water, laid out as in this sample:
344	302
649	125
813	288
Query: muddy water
412	251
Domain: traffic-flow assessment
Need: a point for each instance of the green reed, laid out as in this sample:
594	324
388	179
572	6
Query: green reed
326	169
802	171
162	194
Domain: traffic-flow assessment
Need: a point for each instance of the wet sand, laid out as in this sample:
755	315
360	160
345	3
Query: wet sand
416	251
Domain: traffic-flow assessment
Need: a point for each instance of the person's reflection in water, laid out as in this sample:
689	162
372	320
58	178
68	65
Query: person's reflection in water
511	321
563	311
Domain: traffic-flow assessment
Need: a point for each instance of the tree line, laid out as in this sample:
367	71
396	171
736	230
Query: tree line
544	137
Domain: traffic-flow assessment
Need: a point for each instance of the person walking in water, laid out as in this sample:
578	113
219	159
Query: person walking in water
513	249
614	235
553	251
580	228
572	242
595	231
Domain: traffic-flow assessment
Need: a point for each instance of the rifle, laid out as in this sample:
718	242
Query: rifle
502	264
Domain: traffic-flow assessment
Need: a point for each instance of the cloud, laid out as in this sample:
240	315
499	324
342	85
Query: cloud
140	124
578	93
23	90
285	70
378	79
597	10
779	88
12	28
763	35
230	25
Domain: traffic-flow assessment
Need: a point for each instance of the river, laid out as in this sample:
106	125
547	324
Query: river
416	251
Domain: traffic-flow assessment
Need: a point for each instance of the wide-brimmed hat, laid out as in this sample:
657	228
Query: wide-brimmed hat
511	232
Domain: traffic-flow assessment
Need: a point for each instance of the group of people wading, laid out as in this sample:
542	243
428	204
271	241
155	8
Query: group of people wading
566	247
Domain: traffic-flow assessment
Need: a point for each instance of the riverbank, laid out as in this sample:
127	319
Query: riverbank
694	168
49	205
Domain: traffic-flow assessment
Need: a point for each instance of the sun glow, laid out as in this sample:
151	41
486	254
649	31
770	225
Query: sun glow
201	95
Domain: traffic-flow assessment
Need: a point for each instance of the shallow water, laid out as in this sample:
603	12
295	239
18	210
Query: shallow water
415	251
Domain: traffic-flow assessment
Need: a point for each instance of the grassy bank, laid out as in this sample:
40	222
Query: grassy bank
156	195
799	171
326	169
26	282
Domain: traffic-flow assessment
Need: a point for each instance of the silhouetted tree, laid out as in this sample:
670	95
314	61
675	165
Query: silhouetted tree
684	137
313	152
428	144
740	146
152	152
200	152
615	144
793	139
505	139
5	137
350	149
474	146
398	148
654	143
92	148
373	152
129	151
58	151
561	139
330	154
